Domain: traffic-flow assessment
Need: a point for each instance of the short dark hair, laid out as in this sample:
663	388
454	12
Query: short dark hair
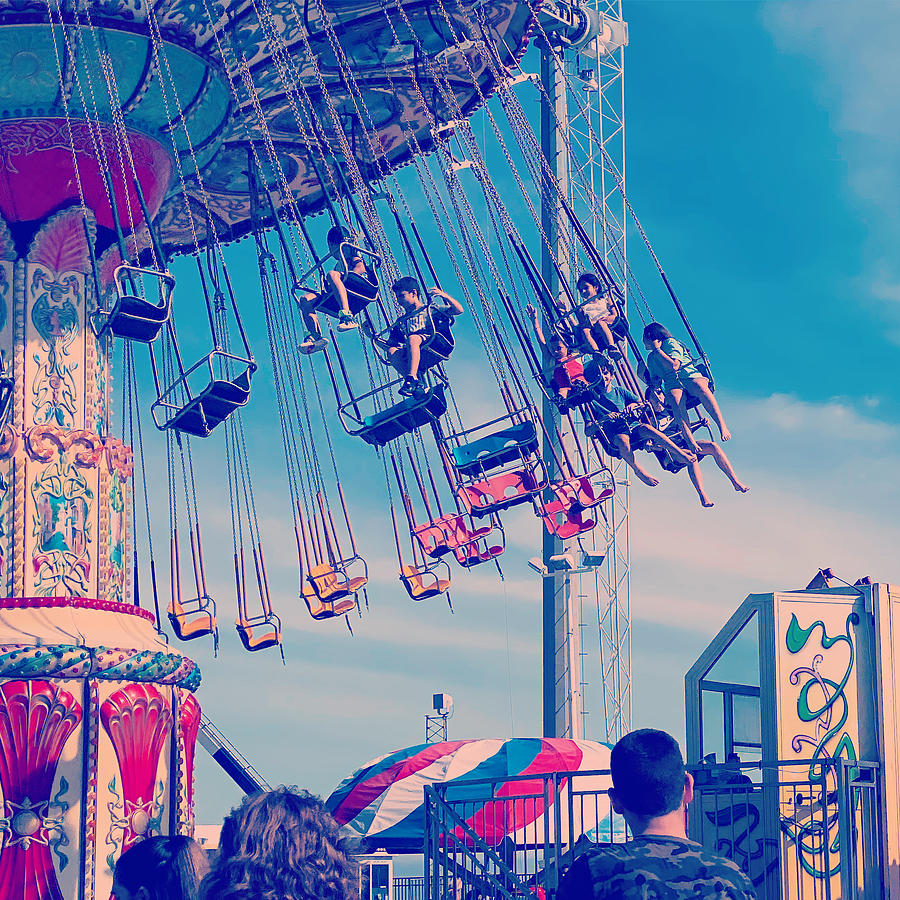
648	772
656	332
406	283
337	234
163	866
589	278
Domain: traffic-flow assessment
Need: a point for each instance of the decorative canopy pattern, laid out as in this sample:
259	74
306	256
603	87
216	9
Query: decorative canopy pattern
383	802
335	79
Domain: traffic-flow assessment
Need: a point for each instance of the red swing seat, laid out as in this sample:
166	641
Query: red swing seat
499	492
472	555
565	520
583	491
447	534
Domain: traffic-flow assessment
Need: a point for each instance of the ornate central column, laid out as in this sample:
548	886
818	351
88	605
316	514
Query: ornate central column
98	720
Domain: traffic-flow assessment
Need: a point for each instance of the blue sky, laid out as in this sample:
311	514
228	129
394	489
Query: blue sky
763	161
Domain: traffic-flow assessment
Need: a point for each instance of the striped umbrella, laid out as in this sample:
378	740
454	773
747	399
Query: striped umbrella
383	802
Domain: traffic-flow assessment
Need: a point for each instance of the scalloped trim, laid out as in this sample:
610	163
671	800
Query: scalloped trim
77	603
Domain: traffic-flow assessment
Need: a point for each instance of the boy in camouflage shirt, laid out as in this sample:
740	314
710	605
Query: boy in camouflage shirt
652	790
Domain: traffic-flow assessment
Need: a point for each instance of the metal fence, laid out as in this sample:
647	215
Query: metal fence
409	887
801	830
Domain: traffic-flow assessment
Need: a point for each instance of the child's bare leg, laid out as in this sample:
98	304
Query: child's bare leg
397	358
711	448
697	480
310	319
415	354
670	445
699	387
336	286
623	444
679	408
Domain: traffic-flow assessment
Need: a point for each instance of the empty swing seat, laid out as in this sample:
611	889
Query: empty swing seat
193	619
500	492
218	400
422	583
582	492
447	534
408	415
325	609
473	555
565	520
332	583
134	317
496	449
259	633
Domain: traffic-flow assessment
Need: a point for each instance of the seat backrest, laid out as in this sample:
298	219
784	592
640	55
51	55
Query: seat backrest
324	575
233	392
497	448
502	490
433	537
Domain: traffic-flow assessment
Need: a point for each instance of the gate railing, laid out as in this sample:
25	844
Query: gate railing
409	887
800	829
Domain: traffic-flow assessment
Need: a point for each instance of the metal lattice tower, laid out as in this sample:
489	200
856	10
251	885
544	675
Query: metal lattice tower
605	165
585	143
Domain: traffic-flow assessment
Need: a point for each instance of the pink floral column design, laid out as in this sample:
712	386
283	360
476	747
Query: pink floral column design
137	719
36	720
189	718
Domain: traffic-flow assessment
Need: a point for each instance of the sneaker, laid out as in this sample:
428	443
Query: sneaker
346	322
409	387
614	353
312	344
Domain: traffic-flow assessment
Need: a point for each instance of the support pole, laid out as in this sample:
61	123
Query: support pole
561	631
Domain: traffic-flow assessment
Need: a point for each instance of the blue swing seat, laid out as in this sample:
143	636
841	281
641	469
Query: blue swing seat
495	450
411	413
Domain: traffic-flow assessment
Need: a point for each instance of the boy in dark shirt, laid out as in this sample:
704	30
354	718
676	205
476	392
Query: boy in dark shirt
611	408
415	326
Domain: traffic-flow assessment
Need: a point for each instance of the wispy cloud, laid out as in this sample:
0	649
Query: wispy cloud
858	68
838	418
834	505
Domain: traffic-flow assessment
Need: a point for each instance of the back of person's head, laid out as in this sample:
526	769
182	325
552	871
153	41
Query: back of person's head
338	234
160	868
648	773
406	283
589	278
281	845
656	332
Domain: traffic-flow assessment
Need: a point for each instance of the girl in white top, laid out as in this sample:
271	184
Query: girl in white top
671	365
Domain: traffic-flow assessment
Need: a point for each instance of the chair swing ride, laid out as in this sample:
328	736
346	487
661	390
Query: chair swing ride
275	114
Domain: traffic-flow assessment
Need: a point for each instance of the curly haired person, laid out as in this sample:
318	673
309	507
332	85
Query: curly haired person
281	845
